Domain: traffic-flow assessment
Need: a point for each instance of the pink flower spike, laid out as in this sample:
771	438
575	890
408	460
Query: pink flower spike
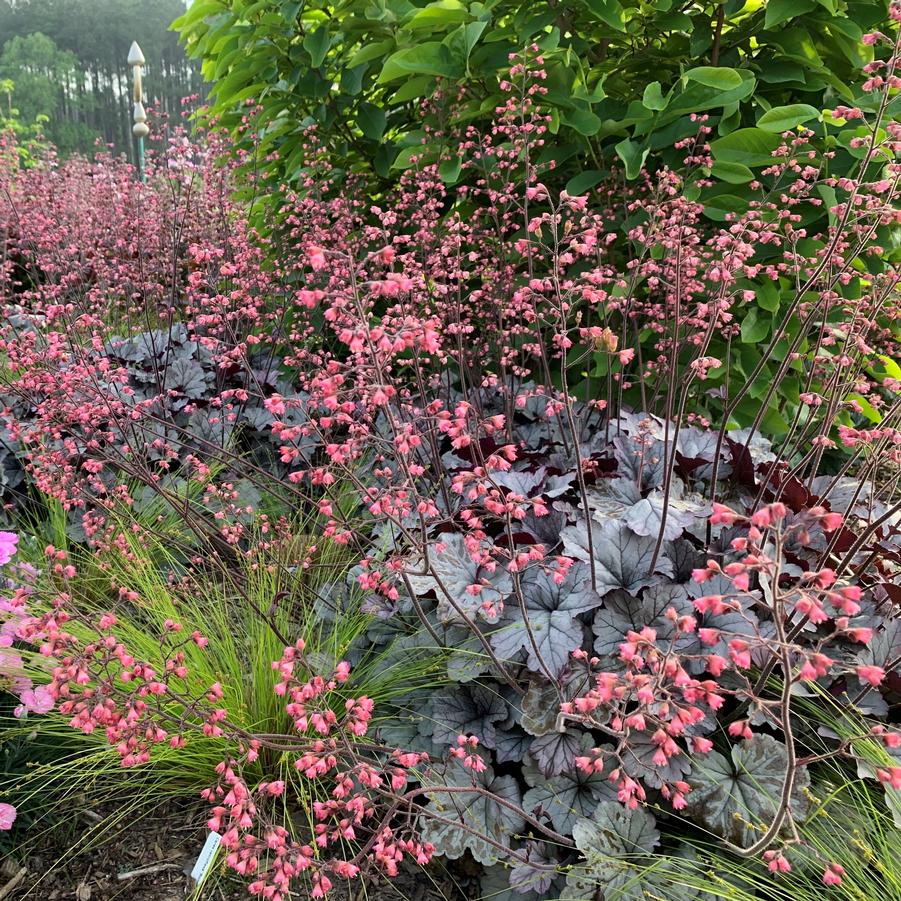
776	862
833	874
872	674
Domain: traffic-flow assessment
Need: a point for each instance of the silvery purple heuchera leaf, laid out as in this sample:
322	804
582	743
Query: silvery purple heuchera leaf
640	463
624	613
512	744
611	498
613	841
615	829
684	557
535	875
622	559
540	707
647	516
468	659
567	796
478	811
697	444
544	529
682	512
618	846
452	572
549	631
556	752
473	709
737	796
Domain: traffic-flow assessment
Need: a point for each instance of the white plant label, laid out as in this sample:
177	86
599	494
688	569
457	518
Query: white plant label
207	856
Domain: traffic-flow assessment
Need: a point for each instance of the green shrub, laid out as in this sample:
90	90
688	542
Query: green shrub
625	77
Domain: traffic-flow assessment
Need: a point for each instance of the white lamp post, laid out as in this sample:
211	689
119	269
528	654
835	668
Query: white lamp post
139	129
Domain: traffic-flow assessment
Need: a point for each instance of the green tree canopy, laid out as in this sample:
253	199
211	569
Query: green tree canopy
624	76
40	74
68	60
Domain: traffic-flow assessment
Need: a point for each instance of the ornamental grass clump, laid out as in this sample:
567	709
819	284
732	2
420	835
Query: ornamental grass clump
626	474
113	637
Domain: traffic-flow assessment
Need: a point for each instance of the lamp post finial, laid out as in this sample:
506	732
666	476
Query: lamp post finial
139	129
135	56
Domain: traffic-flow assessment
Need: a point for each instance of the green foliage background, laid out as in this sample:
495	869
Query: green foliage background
625	80
624	76
66	60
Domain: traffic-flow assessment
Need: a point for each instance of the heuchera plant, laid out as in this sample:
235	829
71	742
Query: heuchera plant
527	428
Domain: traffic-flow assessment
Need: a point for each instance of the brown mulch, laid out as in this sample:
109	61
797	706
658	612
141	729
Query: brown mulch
151	860
161	846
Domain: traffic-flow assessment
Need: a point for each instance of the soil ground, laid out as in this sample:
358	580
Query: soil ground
151	861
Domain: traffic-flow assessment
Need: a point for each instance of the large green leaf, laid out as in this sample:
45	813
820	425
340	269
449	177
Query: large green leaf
633	155
449	170
721	207
583	121
462	40
768	295
369	52
699	97
719	77
316	44
413	88
733	173
653	98
754	327
584	181
608	11
779	11
750	147
429	58
785	118
439	14
371	120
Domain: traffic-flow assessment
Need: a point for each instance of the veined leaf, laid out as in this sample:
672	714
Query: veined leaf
608	11
371	120
737	796
779	11
429	58
477	810
720	77
785	118
750	147
316	44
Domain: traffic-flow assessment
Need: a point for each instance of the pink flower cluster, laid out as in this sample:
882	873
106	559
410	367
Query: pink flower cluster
657	695
362	778
99	685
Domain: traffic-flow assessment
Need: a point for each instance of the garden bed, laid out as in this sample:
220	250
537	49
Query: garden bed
449	533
